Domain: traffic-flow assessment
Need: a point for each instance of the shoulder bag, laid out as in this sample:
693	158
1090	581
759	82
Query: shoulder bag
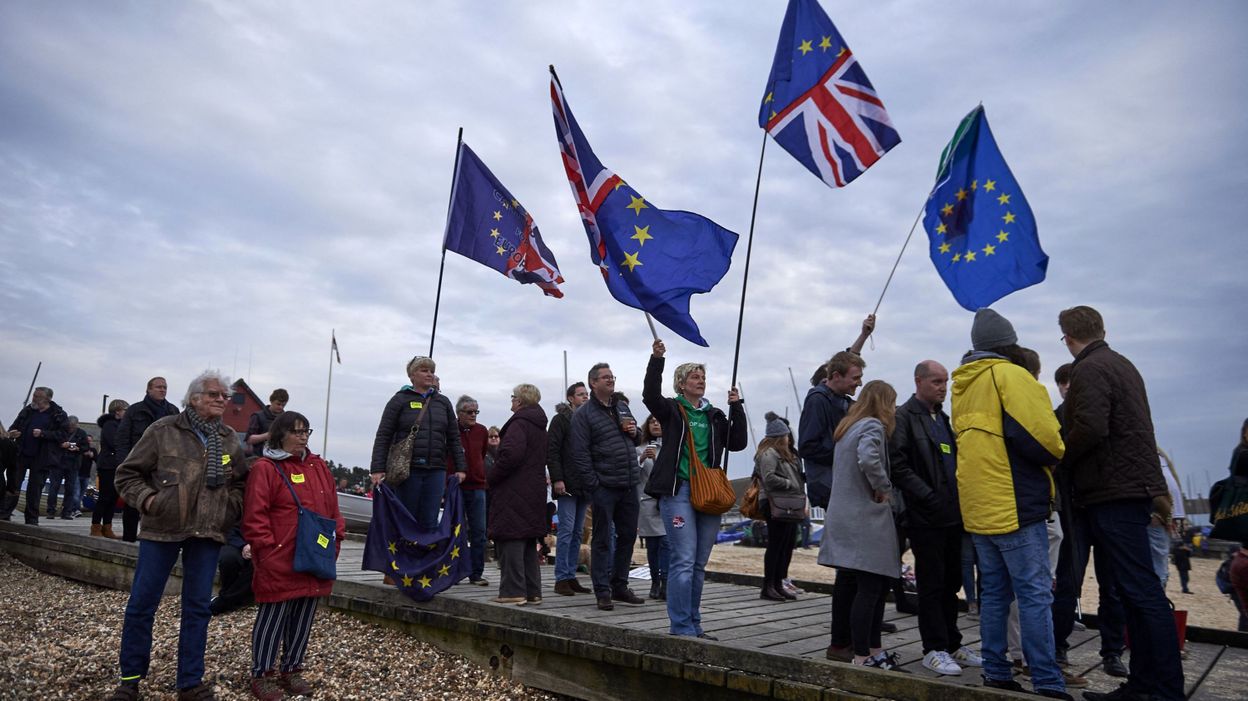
709	491
399	460
315	549
1229	500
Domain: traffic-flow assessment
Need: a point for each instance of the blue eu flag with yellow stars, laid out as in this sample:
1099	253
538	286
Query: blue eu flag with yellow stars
982	233
421	562
651	259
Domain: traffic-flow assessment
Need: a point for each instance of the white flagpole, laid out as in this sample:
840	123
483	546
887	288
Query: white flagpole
328	386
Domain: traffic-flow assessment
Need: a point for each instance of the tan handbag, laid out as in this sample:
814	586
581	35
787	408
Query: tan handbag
399	460
749	501
709	491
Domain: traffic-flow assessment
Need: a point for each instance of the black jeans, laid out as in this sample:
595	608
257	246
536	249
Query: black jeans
618	507
844	589
519	573
130	524
781	537
1119	531
1184	578
866	611
1072	565
938	571
236	572
107	501
34	490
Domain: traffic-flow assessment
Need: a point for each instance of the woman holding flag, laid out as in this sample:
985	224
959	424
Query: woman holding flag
697	434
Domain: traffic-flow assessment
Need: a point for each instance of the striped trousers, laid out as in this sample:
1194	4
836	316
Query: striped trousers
285	623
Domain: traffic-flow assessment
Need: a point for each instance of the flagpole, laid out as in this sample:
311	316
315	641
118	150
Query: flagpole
650	321
899	254
437	301
329	384
795	394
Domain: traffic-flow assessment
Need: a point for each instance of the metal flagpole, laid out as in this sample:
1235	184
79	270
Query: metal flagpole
749	421
795	394
899	254
30	390
437	302
565	368
328	386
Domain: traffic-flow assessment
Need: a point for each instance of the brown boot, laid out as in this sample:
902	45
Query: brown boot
106	530
96	530
386	580
564	587
294	683
266	688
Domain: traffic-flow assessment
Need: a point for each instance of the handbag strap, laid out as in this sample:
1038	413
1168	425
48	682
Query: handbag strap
291	487
695	460
424	406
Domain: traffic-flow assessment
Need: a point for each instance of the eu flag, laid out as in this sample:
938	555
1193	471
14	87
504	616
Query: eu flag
421	563
819	105
651	259
981	231
489	226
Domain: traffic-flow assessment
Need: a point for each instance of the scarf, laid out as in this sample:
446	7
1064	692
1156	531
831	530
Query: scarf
214	476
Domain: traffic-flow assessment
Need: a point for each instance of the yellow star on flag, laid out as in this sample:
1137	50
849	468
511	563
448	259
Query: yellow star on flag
841	52
974	184
941	228
515	203
637	204
1009	217
944	247
970	256
643	233
961	194
773	115
619	184
457	527
947	209
768	98
989	249
394	565
501	250
1003	199
990	185
826	43
425	582
494	233
393	549
1002	237
630	259
444	570
407	580
454	552
805	48
498	215
957	257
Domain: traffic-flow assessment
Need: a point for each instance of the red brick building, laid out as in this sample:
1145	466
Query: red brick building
242	405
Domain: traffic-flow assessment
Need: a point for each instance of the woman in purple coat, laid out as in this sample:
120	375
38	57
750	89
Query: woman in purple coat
517	507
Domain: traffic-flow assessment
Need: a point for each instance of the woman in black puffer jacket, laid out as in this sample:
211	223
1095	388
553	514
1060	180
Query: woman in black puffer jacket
106	470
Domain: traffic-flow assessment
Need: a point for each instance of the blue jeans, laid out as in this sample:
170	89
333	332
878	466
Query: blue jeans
1119	530
1010	565
474	506
156	559
422	495
690	536
571	515
1159	544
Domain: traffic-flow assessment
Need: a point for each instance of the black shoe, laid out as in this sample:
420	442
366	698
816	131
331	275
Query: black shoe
663	589
1008	685
604	604
887	627
628	597
1114	667
707	636
1061	658
769	593
654	589
1055	694
578	588
1122	693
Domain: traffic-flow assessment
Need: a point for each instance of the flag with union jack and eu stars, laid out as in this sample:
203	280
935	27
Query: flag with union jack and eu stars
819	105
981	232
651	259
421	562
489	226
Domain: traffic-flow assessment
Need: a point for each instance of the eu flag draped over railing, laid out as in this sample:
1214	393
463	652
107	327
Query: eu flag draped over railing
490	226
421	563
819	105
981	232
651	259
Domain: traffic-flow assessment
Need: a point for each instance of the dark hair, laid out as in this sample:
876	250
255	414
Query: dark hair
819	375
1082	323
279	395
1013	353
1243	434
572	389
593	372
1031	361
646	435
285	422
1062	377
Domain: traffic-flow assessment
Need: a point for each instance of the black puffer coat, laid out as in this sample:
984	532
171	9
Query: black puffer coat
135	421
559	450
437	437
108	459
517	479
1111	451
602	454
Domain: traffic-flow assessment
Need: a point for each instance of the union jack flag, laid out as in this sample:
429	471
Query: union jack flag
590	180
819	105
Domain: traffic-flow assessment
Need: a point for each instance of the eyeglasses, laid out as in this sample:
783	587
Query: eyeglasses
302	431
608	378
474	412
217	395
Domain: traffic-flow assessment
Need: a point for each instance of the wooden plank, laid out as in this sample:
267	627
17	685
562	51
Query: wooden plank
1228	678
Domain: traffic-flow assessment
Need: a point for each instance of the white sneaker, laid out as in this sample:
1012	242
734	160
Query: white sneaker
940	662
967	657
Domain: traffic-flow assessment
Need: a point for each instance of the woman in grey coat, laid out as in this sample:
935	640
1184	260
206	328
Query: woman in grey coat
859	535
649	522
780	475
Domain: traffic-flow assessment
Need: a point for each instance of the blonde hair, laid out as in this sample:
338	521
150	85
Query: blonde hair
878	400
683	371
527	394
420	361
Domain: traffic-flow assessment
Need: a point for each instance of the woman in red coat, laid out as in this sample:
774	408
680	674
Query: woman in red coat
287	599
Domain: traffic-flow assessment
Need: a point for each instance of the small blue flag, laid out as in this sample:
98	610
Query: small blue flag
982	233
651	259
489	226
421	563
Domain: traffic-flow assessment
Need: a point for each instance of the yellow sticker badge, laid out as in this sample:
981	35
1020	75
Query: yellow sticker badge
225	458
417	405
297	478
322	541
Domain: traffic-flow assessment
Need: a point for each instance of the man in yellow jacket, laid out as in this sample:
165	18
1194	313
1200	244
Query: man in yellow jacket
1008	441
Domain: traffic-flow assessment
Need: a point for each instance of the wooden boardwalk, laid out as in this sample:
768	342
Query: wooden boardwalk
786	638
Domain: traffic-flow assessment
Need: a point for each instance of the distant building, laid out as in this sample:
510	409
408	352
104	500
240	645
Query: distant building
242	405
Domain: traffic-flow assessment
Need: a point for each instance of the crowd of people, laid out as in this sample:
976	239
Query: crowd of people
1002	482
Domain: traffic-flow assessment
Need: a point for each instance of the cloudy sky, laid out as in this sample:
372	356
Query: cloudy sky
218	184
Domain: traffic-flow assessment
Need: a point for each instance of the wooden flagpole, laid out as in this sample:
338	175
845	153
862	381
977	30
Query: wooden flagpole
437	302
